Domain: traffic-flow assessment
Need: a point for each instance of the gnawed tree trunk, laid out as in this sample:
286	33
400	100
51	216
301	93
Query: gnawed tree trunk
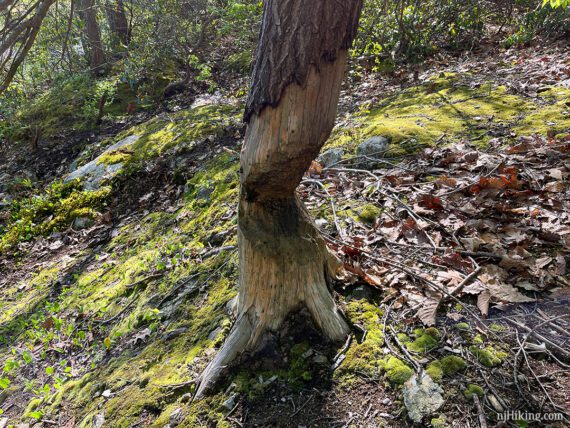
284	262
92	35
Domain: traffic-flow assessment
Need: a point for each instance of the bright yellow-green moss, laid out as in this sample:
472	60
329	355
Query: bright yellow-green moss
489	356
477	339
472	390
497	328
424	340
439	422
54	208
368	213
364	358
396	370
462	326
447	366
445	109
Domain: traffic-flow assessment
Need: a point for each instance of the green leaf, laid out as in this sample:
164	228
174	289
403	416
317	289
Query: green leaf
4	382
49	370
27	357
36	415
107	343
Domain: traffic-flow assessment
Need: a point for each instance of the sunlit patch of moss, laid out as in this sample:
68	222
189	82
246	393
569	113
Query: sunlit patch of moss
425	339
439	422
447	366
368	213
478	339
396	370
488	356
472	390
463	326
441	108
364	358
551	117
44	213
497	328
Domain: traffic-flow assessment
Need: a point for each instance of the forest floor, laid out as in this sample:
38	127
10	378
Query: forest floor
455	240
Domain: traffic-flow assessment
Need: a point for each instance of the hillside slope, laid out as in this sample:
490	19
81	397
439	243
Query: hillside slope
118	272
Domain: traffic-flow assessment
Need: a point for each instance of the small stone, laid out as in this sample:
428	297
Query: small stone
321	222
320	359
372	148
231	402
107	393
422	397
82	223
330	157
176	417
98	420
169	335
186	398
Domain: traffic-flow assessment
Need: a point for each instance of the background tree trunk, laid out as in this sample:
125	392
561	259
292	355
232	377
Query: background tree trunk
92	35
118	24
284	262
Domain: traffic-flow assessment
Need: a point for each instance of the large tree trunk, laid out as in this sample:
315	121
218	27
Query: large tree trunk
92	36
284	262
118	24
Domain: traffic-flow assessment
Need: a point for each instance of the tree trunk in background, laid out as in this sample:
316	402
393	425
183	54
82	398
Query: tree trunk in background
284	262
92	36
118	24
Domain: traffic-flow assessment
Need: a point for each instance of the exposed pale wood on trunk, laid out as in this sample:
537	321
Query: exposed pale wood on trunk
284	262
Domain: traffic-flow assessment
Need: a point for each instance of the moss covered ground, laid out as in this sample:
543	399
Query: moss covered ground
118	328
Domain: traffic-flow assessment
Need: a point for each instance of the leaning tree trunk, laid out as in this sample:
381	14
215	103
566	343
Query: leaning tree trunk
92	35
284	262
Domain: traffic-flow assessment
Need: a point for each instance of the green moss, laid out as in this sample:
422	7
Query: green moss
368	213
363	357
396	370
240	62
50	210
478	339
447	366
439	422
489	356
424	340
435	371
462	326
472	390
497	328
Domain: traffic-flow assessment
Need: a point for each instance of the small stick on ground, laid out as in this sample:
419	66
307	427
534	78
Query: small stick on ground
480	412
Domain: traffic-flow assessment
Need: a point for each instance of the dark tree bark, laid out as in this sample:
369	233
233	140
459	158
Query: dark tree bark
284	262
23	34
117	20
92	36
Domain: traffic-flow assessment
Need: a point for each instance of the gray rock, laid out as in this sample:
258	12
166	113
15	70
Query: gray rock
176	417
330	156
82	223
231	402
422	397
98	420
94	172
372	148
204	192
